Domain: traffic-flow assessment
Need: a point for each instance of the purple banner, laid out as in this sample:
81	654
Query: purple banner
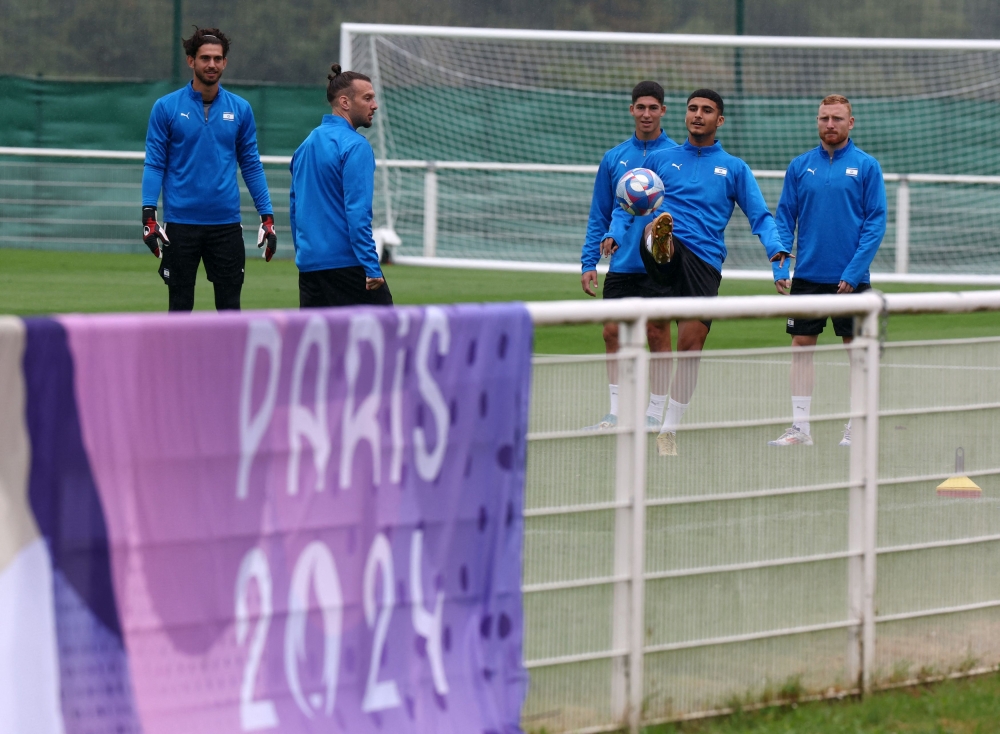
311	522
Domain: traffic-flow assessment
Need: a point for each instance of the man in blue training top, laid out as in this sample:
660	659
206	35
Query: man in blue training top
626	276
836	194
333	181
196	137
684	247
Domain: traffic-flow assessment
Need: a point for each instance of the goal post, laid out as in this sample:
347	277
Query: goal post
560	98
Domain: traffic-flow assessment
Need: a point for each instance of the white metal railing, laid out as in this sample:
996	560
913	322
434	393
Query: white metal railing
630	574
431	204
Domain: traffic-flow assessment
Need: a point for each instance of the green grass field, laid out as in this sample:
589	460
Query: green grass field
970	706
40	282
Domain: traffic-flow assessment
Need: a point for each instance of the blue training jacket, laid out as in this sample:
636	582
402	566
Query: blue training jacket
840	208
194	160
616	162
333	181
701	185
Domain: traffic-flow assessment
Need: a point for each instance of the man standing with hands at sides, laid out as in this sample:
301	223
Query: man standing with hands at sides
836	195
196	137
684	246
626	276
333	182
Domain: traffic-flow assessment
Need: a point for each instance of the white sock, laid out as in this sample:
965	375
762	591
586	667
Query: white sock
675	411
655	407
613	390
800	412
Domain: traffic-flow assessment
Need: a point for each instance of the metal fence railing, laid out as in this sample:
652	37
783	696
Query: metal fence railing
514	215
740	574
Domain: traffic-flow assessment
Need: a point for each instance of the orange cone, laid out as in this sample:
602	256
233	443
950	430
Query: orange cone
961	485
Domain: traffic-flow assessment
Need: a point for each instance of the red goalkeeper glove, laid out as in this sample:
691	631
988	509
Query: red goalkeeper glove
266	235
152	233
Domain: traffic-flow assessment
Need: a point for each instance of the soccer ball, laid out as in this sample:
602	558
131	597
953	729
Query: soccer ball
639	192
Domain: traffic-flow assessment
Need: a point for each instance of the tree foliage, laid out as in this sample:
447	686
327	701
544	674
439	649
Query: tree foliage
294	41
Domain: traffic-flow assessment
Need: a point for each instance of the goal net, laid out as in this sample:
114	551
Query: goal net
561	99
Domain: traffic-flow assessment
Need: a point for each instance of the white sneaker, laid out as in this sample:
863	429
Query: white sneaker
792	437
608	421
846	440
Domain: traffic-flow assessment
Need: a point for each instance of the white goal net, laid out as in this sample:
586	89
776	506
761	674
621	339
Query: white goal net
560	99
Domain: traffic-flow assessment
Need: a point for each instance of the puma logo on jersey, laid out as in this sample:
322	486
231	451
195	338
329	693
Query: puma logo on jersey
186	114
812	171
624	163
677	165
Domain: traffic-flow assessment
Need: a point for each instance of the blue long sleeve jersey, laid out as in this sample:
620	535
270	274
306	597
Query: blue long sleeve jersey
193	159
701	185
839	205
616	162
333	181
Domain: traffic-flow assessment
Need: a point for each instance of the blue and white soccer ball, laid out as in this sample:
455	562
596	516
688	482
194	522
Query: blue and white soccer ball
639	192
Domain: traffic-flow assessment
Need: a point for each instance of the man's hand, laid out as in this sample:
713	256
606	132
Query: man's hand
783	286
266	235
373	284
152	233
589	280
845	287
781	257
608	247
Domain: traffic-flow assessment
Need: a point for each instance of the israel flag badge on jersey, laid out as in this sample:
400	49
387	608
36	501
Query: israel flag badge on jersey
852	171
228	116
720	171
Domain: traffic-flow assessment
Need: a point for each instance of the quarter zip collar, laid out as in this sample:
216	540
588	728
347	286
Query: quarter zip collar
196	95
648	146
837	154
336	120
698	150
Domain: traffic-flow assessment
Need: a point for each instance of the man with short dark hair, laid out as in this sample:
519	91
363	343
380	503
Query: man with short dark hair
196	137
684	247
836	195
626	276
333	183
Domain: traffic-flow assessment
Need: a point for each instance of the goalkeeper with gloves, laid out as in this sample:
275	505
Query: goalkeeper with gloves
196	138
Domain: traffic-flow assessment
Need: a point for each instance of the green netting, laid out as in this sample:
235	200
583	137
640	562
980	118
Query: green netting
113	115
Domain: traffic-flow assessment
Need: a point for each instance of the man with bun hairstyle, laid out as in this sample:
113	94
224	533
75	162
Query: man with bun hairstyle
683	245
333	182
196	138
626	276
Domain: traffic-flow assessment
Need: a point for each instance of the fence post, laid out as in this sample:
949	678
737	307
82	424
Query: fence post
855	507
903	226
863	499
430	210
637	622
870	540
627	621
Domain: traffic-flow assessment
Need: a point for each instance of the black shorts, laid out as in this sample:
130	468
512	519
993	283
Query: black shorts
219	245
842	325
633	285
340	287
686	275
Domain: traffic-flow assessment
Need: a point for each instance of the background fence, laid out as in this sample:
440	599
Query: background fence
82	199
738	573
